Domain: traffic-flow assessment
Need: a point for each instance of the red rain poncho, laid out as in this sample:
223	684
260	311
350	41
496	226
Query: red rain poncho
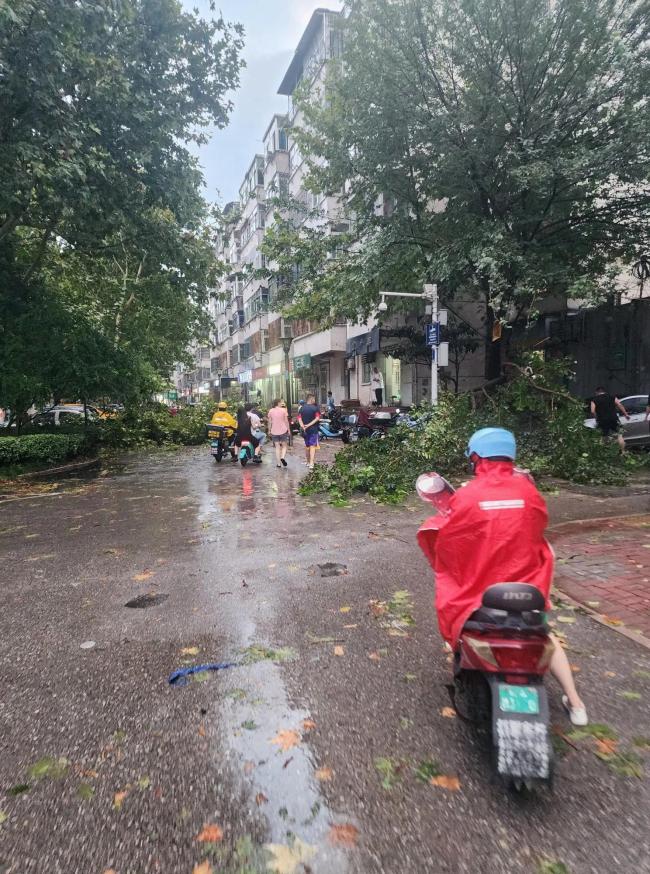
494	534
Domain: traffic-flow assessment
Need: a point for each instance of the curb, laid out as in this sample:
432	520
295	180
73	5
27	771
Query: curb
63	470
564	528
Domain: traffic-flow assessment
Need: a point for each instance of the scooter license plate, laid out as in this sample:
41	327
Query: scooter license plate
518	699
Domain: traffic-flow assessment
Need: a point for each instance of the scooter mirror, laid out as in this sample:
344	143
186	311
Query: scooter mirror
434	489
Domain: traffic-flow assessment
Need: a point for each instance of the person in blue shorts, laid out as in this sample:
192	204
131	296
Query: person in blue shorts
308	418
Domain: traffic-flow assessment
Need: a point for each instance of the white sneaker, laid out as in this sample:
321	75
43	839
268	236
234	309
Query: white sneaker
310	466
577	715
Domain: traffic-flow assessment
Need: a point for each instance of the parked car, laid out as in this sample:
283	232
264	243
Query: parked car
63	414
636	430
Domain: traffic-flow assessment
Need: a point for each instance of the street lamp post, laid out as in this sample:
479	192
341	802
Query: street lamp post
438	318
286	348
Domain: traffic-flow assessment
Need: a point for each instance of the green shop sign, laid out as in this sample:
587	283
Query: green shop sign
302	362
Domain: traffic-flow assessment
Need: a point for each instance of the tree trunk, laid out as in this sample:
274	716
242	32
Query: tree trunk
492	347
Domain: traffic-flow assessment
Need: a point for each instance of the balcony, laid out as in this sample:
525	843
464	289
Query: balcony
321	343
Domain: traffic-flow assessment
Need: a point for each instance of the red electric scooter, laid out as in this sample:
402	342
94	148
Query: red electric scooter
502	655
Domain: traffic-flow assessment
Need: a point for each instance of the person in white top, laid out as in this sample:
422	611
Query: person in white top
256	423
377	385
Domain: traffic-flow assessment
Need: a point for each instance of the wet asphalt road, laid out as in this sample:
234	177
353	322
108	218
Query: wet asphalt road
289	749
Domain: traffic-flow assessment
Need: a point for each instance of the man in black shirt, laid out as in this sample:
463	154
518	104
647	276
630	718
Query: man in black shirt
604	407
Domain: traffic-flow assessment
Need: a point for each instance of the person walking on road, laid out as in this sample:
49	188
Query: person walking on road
309	418
377	383
331	406
278	419
604	408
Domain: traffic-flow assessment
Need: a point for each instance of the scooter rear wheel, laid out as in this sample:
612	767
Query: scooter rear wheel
473	698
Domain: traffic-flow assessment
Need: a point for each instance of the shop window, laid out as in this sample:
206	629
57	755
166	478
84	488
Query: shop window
366	373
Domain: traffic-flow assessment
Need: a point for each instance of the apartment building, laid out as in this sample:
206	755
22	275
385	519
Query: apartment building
254	345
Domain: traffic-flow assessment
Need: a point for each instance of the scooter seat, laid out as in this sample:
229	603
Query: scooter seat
518	621
514	597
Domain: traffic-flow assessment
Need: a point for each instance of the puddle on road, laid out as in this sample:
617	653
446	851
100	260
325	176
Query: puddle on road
268	745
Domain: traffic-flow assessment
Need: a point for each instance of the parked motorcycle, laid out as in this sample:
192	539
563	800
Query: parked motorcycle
502	655
331	428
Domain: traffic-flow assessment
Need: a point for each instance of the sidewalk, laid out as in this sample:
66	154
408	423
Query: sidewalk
605	565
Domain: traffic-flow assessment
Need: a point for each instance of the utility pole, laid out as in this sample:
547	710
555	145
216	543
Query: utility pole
439	351
431	291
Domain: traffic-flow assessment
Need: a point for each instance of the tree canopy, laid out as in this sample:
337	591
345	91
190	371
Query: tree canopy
105	249
497	147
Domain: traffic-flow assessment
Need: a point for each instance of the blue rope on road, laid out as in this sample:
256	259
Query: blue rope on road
179	678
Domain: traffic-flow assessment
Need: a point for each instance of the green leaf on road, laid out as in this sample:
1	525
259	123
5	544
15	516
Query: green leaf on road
630	696
388	771
85	791
597	729
249	725
551	866
427	769
144	783
641	742
48	767
256	653
3	816
19	788
642	675
236	694
626	764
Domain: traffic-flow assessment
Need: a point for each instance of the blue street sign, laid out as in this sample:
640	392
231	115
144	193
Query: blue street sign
433	334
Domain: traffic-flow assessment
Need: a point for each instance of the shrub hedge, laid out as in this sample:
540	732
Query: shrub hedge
41	448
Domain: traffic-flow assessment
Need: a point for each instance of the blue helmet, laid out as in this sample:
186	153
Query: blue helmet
491	442
300	403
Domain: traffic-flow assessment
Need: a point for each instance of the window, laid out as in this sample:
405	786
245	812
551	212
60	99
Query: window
367	371
282	140
336	43
258	303
295	158
66	418
636	405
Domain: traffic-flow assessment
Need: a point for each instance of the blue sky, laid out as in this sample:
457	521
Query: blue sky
273	28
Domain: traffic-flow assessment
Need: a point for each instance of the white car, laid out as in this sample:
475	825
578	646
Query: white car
63	414
636	430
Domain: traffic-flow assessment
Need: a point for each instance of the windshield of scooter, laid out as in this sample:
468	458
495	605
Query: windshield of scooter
435	490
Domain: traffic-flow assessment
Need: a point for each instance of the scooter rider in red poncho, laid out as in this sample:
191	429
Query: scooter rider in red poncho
494	533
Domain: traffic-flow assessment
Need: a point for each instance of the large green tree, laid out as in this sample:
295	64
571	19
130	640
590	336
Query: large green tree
103	227
498	147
